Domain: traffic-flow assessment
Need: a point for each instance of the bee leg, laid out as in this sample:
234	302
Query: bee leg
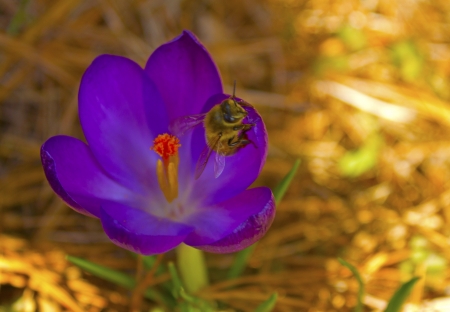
246	140
244	127
240	141
235	143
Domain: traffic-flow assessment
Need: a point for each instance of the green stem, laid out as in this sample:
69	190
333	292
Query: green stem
192	267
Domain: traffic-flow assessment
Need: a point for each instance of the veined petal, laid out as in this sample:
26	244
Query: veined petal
76	177
241	169
121	112
139	231
185	75
234	224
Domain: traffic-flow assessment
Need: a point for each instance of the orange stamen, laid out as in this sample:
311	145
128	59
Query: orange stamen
166	146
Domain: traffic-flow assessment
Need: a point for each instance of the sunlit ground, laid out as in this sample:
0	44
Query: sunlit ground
357	90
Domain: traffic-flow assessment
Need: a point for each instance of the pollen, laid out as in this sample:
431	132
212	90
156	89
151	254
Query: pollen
166	145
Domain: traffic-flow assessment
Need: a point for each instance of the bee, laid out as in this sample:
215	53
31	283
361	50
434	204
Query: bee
225	132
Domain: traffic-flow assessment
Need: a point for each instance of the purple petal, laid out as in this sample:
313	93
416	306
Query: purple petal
76	177
241	169
185	75
141	232
121	112
234	224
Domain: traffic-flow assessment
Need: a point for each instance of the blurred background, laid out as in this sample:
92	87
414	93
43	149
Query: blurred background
358	90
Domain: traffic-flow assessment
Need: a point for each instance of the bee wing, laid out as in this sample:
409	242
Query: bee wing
204	156
219	163
183	124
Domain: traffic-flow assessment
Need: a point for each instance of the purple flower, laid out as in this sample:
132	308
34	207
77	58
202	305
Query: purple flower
116	177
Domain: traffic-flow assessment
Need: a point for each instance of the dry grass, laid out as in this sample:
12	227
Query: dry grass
329	77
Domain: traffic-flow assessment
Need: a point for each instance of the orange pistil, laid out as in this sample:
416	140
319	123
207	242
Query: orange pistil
166	146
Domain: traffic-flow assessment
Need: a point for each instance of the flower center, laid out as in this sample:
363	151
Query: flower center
166	146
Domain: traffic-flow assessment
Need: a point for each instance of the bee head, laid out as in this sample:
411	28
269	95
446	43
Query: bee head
232	111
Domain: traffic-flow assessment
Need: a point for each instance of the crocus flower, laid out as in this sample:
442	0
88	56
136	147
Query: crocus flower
138	178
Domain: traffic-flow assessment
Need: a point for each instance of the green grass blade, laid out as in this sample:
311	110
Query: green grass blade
281	188
359	305
105	273
176	280
240	262
268	305
148	261
111	275
400	296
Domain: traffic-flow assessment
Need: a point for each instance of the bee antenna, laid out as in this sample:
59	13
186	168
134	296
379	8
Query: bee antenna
234	88
234	92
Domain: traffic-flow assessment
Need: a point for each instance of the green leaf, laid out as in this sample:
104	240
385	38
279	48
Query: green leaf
148	261
268	305
111	275
196	304
400	296
359	305
177	284
186	302
281	188
242	257
108	274
240	262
